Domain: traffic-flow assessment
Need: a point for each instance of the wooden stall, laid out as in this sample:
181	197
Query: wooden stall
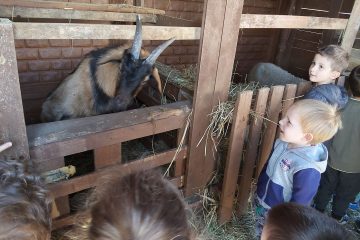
46	144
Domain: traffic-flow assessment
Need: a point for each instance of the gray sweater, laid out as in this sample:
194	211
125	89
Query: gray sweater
344	150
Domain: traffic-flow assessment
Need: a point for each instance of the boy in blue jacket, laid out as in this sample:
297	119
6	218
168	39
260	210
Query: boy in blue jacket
328	63
292	173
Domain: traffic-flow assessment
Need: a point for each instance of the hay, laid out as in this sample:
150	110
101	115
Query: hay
185	79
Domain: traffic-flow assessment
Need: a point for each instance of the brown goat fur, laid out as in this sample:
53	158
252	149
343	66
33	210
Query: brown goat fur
139	206
25	205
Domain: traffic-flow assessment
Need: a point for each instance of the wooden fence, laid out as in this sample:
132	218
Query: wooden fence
252	136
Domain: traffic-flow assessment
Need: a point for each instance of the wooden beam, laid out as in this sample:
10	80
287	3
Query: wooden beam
12	122
218	41
90	180
287	21
107	31
70	14
123	8
352	28
24	30
234	156
56	139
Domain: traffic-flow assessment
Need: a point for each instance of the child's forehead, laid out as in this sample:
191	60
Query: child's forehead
323	59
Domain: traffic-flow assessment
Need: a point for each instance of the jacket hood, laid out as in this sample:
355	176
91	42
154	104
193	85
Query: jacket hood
329	93
318	151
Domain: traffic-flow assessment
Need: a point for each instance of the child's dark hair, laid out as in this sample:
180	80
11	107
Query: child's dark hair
297	222
25	206
140	206
338	56
354	81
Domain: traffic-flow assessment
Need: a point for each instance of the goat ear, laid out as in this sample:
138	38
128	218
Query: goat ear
155	79
136	47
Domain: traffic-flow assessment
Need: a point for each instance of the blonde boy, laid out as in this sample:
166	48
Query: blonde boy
292	173
328	63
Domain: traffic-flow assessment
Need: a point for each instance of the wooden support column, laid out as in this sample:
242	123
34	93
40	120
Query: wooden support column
12	122
220	29
352	28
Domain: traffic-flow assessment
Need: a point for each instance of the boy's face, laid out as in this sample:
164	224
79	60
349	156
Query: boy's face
320	70
291	130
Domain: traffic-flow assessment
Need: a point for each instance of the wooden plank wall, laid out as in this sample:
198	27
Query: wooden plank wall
240	173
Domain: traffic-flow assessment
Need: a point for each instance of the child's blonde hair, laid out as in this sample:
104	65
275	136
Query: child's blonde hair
338	56
318	118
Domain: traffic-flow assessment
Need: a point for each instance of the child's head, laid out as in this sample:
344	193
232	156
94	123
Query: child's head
309	122
297	222
354	81
140	206
328	64
25	205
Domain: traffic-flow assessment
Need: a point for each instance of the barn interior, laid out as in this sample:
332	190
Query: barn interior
217	43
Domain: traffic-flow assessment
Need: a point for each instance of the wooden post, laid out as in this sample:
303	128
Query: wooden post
12	122
234	156
352	28
220	29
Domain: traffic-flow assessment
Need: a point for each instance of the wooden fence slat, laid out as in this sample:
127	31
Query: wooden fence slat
251	153
274	108
23	12
12	122
234	156
303	88
89	180
124	8
108	155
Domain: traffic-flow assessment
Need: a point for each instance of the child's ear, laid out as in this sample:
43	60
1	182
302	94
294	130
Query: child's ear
308	137
335	75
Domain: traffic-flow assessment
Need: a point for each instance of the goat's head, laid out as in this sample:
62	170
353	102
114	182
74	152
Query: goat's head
137	71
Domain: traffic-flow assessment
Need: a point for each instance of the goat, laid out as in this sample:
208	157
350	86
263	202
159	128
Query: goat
105	81
25	205
269	74
139	206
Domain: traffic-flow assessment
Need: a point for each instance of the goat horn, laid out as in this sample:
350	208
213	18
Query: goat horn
157	51
136	47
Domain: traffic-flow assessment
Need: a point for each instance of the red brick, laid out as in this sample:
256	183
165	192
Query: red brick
161	4
178	50
61	64
172	60
188	59
193	7
81	43
22	66
177	6
87	50
71	52
192	49
59	42
26	53
39	65
19	43
168	52
65	73
50	76
100	42
37	43
50	52
27	77
75	63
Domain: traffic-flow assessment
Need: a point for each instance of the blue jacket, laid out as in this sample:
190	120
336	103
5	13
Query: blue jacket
329	93
291	174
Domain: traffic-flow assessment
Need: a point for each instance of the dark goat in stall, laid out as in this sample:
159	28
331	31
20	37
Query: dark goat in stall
105	81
